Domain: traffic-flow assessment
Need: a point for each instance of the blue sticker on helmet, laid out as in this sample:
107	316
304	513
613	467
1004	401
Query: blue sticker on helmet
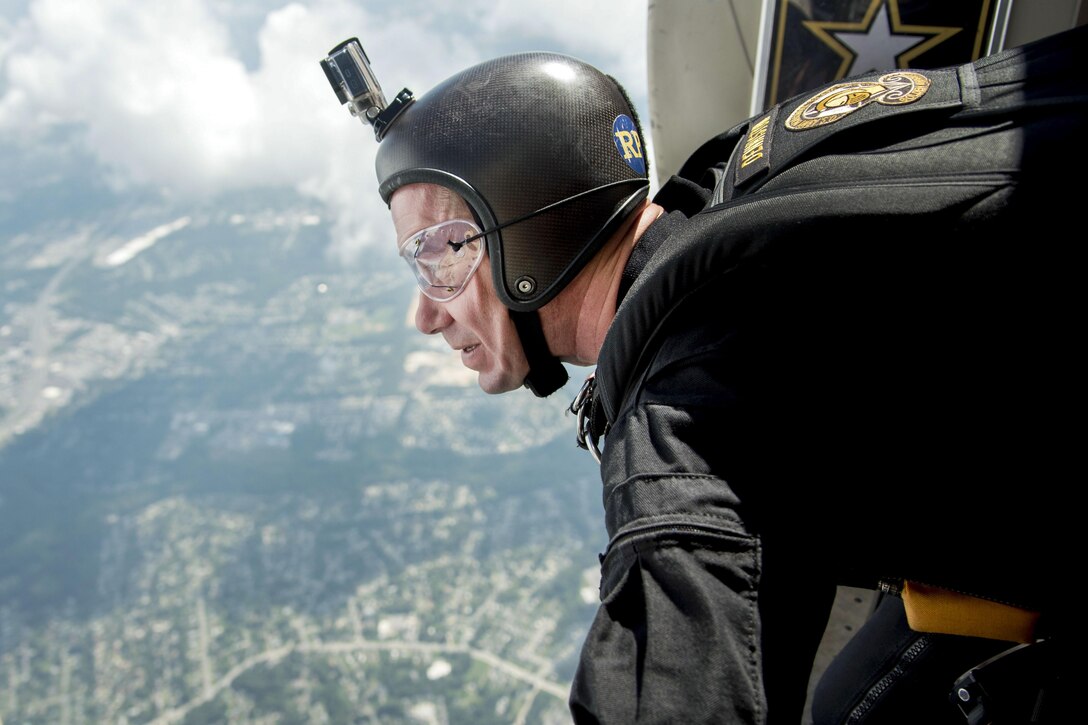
628	143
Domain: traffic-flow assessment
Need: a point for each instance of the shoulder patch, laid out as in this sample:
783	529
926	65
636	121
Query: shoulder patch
840	100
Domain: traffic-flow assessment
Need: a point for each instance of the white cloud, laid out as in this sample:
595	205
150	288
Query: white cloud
158	94
6	32
152	85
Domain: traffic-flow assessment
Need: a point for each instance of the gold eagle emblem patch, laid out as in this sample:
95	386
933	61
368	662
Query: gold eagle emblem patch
840	100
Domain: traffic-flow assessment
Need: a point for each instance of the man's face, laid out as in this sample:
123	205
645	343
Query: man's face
474	323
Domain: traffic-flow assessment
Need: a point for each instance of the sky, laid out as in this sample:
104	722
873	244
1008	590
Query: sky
189	99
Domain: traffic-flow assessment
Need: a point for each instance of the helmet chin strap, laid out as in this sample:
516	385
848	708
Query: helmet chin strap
546	373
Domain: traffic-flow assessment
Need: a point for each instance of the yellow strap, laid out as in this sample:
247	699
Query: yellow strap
930	609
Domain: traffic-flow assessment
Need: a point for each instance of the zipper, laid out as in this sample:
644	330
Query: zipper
909	655
891	587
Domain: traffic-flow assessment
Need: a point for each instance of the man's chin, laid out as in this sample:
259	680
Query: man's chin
498	384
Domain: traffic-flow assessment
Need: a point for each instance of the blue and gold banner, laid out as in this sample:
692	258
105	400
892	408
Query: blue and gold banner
808	43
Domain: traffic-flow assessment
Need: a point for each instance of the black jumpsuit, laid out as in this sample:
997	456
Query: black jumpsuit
849	353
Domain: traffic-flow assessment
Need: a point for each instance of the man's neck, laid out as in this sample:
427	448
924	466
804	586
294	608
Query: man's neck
577	320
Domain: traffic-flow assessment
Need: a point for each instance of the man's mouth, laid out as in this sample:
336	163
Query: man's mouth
469	348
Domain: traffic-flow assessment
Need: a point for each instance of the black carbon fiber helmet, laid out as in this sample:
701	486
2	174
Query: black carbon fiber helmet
544	149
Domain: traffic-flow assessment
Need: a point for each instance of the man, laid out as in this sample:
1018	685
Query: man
834	349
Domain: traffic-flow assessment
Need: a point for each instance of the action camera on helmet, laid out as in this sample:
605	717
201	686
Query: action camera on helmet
348	69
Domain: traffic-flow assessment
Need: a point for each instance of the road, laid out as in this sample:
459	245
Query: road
271	656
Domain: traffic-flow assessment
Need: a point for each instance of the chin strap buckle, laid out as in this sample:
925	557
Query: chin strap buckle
582	406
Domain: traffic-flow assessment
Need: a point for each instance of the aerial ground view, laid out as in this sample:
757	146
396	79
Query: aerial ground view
236	485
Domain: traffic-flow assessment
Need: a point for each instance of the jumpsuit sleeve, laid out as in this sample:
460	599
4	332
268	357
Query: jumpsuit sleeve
680	635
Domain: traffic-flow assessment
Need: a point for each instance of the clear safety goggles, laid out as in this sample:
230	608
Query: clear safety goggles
444	256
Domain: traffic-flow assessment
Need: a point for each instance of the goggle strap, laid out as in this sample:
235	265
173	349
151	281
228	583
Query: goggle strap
553	205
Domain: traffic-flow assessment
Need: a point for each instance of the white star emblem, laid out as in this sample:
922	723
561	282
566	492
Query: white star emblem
878	47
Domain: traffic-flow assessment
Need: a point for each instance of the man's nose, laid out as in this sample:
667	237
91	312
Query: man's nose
431	316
